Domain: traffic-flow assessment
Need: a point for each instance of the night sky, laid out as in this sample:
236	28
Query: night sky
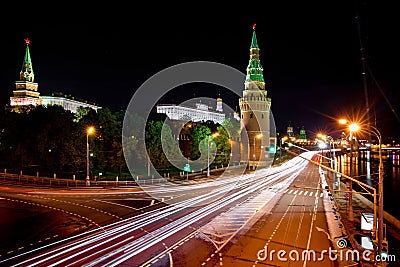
310	54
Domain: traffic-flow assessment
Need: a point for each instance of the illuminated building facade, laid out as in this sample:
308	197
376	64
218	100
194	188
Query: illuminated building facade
255	112
67	102
201	112
26	92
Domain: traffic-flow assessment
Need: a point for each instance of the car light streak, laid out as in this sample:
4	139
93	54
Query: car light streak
116	242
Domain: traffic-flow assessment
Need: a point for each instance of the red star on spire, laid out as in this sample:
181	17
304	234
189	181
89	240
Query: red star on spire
254	26
27	41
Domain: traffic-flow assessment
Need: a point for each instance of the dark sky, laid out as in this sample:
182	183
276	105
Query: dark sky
310	53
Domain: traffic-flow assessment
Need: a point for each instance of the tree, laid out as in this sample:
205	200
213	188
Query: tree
232	127
157	134
223	146
81	112
199	132
44	137
133	141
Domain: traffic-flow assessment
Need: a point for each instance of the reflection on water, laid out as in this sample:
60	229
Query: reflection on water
365	169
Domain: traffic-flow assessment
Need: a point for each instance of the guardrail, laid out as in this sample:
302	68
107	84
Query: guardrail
54	182
64	183
20	179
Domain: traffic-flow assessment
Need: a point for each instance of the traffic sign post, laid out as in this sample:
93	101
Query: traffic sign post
186	168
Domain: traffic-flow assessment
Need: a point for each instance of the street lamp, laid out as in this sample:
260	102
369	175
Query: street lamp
333	162
376	132
214	135
353	127
322	145
258	136
378	222
89	131
336	184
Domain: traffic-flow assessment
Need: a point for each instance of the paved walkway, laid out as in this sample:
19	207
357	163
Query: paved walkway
353	228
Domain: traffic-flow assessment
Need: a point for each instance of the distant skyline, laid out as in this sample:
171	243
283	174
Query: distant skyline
310	54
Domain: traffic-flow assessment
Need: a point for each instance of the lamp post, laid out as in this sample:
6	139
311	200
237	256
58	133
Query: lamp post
89	131
214	135
353	127
258	136
187	173
336	184
376	132
378	222
322	145
333	162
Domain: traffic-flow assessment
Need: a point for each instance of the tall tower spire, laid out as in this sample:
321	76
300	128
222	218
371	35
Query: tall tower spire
26	90
254	43
254	69
26	73
255	111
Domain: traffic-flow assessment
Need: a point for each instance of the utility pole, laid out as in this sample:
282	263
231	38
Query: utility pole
364	77
350	202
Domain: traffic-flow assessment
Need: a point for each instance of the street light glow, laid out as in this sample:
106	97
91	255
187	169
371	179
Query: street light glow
322	145
90	130
258	136
342	121
354	127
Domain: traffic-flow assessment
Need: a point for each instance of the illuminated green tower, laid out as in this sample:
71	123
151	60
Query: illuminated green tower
26	90
255	111
303	134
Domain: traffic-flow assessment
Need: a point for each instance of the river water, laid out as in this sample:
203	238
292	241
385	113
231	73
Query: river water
365	169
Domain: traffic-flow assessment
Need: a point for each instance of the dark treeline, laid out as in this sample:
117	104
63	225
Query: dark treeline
52	140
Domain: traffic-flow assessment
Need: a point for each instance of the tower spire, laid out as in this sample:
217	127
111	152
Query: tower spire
254	68
254	43
26	90
26	73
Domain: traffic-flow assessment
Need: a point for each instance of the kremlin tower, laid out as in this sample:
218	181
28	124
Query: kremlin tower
26	94
255	113
26	90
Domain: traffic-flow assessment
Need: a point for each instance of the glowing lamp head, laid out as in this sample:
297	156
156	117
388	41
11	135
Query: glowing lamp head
90	130
258	136
342	121
354	127
322	145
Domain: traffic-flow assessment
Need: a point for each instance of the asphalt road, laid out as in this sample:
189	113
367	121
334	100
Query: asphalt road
291	227
226	222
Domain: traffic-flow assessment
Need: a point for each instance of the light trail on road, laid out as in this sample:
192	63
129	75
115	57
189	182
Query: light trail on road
124	240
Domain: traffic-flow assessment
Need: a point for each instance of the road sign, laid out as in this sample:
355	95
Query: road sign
186	168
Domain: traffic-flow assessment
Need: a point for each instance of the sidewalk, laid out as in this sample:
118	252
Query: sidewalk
353	228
